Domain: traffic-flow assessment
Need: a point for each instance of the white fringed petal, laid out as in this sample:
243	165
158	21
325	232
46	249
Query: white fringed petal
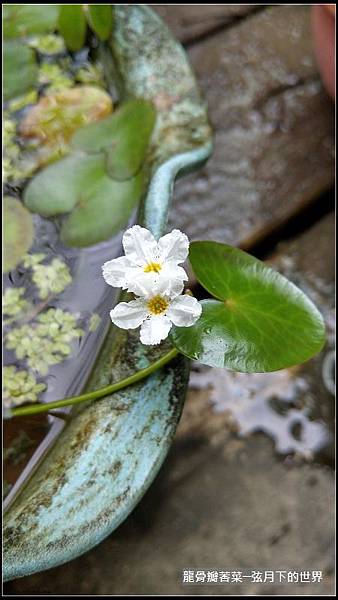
139	245
174	246
174	275
154	330
169	283
115	271
129	315
184	311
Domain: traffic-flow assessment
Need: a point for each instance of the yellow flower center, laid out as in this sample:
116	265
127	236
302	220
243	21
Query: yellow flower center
152	267
157	305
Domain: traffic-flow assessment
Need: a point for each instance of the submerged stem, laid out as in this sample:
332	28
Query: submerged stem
105	391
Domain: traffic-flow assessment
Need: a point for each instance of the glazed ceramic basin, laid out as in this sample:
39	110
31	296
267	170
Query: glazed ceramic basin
109	452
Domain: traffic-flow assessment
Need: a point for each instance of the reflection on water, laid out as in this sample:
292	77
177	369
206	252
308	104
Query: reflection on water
279	404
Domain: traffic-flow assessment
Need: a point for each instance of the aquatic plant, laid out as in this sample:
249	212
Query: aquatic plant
52	278
45	342
256	321
20	387
18	232
13	302
100	183
48	44
54	78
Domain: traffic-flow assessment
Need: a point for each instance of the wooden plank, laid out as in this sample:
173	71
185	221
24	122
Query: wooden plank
274	124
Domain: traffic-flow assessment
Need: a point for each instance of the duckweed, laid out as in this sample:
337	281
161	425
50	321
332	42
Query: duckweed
52	278
48	44
13	303
20	387
47	341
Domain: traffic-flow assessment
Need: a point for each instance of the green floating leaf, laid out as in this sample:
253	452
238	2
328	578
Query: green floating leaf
124	135
57	188
73	25
20	69
27	19
79	184
100	17
260	323
104	208
18	232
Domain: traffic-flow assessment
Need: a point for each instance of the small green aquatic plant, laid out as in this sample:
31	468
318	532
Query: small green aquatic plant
39	336
256	321
20	386
14	305
52	278
46	341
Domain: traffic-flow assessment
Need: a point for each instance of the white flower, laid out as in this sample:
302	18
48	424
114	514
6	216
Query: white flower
148	262
156	312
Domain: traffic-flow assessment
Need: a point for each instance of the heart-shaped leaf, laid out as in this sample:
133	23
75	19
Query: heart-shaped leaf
102	209
18	232
57	188
26	19
79	184
260	323
100	17
20	69
72	25
124	135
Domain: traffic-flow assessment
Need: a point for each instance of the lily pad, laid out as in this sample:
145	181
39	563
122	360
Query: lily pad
124	136
73	25
56	189
26	19
101	211
55	118
18	232
100	18
260	322
79	184
20	69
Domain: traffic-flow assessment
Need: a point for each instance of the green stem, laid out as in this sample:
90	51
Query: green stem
105	391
